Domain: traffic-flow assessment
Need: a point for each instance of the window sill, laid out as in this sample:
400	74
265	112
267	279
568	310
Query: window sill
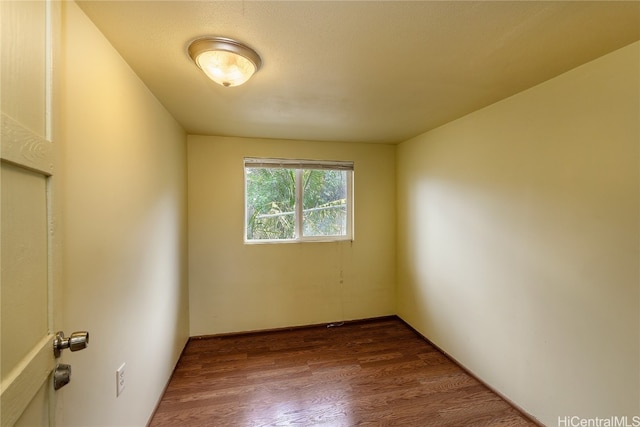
305	240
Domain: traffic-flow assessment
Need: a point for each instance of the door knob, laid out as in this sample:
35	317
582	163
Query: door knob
77	341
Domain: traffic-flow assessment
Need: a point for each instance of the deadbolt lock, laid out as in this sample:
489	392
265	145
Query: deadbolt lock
77	341
61	376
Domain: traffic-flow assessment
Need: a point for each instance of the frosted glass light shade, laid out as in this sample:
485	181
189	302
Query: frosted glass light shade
225	61
225	68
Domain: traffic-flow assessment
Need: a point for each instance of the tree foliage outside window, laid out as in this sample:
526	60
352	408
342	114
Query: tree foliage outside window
272	212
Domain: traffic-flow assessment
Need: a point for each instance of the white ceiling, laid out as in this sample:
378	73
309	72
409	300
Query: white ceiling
370	71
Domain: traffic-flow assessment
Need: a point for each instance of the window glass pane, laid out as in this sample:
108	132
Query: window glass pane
324	205
270	203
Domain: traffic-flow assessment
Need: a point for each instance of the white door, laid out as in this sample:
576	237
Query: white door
28	257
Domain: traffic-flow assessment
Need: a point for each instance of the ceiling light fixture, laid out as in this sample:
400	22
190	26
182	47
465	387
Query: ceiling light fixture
225	61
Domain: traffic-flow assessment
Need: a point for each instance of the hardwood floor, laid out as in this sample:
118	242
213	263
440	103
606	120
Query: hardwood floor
373	373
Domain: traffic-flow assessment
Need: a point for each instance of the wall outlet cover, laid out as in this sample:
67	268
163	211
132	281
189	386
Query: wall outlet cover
120	380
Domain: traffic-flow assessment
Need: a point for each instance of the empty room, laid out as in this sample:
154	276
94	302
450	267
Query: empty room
393	213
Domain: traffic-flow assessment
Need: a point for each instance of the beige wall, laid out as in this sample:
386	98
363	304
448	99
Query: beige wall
518	241
124	232
238	287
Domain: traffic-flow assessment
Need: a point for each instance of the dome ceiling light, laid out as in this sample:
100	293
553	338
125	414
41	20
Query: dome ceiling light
225	61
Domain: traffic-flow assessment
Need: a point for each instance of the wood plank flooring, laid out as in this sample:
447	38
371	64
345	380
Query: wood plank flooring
372	373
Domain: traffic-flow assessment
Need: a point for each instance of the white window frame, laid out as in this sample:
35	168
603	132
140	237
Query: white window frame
299	166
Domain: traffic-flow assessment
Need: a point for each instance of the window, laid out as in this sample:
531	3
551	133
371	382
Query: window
298	200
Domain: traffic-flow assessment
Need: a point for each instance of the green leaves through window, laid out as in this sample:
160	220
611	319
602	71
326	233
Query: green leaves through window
298	200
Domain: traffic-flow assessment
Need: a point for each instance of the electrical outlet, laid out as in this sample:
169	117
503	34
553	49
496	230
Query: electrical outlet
120	377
